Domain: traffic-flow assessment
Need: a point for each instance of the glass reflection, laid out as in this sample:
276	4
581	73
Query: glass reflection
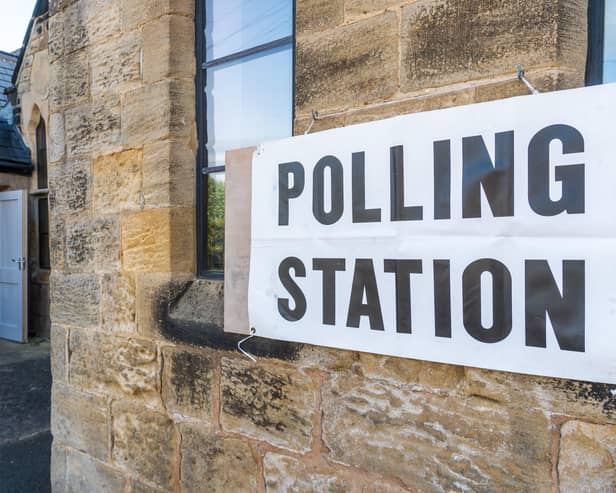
216	221
235	25
248	102
609	47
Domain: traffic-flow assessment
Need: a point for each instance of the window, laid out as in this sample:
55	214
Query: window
245	51
43	203
41	155
43	234
601	65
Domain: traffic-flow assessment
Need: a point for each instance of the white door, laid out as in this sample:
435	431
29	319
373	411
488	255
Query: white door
13	266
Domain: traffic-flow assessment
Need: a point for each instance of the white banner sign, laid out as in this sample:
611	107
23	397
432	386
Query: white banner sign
483	235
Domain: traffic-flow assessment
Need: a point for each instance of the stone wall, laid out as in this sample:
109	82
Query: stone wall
150	395
32	82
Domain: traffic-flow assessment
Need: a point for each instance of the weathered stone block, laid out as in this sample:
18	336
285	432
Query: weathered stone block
118	303
286	474
187	384
432	376
75	299
94	128
158	240
116	63
117	182
434	442
107	363
87	474
166	48
57	243
56	137
69	189
312	16
585	400
146	442
59	343
354	9
380	487
269	403
94	245
58	468
135	13
172	115
352	65
228	464
75	75
445	42
55	41
168	174
587	458
80	421
75	28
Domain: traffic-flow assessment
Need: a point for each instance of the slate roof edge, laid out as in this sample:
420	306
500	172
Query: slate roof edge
15	168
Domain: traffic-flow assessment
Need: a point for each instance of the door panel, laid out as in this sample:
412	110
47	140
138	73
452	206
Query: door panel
13	266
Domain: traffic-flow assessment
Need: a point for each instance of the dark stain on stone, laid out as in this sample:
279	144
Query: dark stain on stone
191	376
602	393
260	396
202	333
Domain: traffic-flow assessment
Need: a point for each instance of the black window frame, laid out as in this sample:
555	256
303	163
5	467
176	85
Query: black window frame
202	169
596	38
41	155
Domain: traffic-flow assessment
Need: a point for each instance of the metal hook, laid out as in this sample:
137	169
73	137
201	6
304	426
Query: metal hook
239	345
523	78
315	117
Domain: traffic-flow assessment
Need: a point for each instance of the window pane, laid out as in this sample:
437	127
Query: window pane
215	221
41	155
235	25
609	47
249	101
43	231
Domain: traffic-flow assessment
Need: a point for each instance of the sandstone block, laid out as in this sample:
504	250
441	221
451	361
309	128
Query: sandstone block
57	243
75	299
228	464
587	458
268	403
58	468
94	128
168	48
432	376
69	189
146	442
349	66
115	63
56	137
111	364
434	442
445	42
80	421
118	296
55	40
59	343
117	182
584	400
94	245
168	174
287	475
135	13
312	16
187	384
155	292
380	487
158	240
87	474
75	75
354	9
172	116
75	27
